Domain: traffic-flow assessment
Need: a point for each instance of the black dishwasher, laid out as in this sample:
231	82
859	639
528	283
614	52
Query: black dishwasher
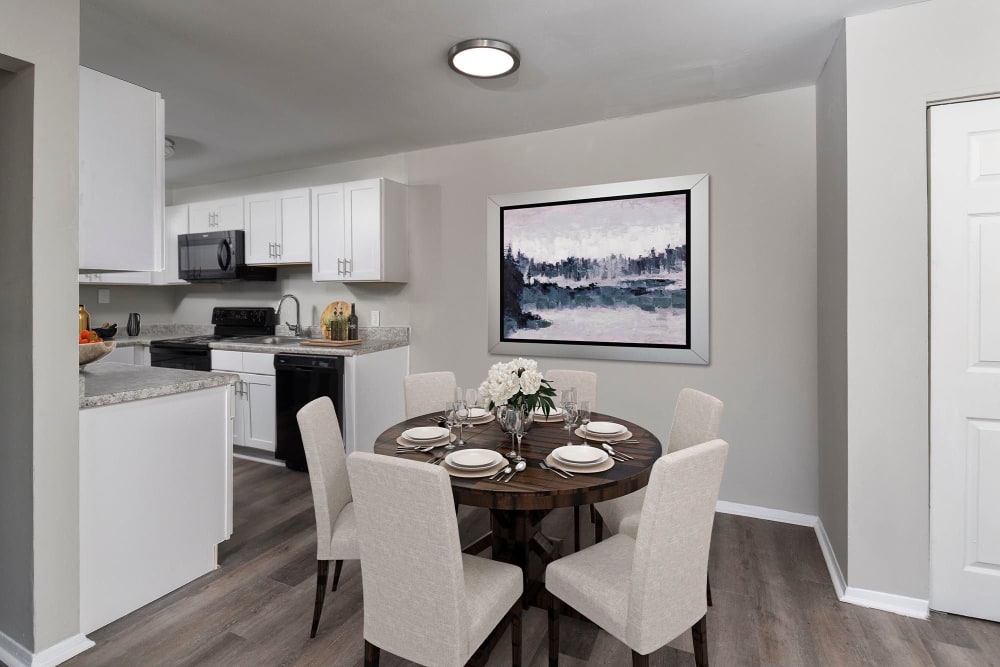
300	379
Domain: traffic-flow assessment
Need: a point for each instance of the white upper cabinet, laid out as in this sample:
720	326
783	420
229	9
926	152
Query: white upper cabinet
277	227
216	216
359	232
121	175
175	224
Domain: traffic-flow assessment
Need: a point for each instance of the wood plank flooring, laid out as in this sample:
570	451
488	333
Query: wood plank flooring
774	604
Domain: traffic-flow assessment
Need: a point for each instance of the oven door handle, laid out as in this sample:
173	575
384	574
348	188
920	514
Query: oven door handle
224	246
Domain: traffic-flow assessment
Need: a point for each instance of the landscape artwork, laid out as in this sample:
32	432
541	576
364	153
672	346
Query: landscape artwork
610	271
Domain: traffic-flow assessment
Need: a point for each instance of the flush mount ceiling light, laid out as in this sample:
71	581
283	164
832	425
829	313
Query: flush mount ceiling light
168	148
484	58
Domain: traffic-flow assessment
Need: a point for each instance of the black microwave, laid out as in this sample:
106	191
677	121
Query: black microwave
217	256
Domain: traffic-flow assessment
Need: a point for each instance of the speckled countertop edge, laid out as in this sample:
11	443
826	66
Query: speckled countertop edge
111	383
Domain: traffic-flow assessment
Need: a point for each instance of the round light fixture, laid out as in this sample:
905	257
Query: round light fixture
484	58
168	148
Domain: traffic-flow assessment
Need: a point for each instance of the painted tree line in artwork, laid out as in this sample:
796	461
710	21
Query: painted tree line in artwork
613	281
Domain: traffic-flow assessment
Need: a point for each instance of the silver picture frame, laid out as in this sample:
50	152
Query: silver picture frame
698	298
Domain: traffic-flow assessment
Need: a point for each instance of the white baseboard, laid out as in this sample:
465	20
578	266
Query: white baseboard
830	556
896	604
757	512
15	655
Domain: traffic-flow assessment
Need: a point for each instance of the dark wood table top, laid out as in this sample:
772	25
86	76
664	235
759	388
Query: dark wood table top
535	488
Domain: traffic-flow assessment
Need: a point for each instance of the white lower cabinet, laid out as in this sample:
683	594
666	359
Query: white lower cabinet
254	420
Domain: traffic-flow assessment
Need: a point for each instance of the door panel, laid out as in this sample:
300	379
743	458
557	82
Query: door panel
230	213
259	425
200	218
328	248
364	229
293	227
260	229
965	358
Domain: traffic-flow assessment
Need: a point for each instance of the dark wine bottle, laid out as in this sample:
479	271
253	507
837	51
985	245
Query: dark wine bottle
352	325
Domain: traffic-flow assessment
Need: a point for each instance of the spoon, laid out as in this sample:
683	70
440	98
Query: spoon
521	465
611	450
500	473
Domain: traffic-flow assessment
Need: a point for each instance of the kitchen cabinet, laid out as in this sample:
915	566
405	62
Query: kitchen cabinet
254	420
121	175
278	227
216	216
359	232
117	278
175	223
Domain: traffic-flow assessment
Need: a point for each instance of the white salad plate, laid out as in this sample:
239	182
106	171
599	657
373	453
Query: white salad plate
579	455
478	413
425	433
473	459
605	428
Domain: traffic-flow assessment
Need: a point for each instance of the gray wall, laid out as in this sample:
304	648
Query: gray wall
16	598
831	264
155	304
46	34
897	62
760	153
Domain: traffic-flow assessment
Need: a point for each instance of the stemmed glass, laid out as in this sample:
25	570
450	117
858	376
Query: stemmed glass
569	409
449	422
584	413
471	401
461	415
501	413
516	419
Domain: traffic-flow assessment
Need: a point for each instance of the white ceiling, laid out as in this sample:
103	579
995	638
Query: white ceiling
258	86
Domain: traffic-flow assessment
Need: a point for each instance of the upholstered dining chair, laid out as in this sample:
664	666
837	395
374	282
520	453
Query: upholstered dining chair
425	600
585	383
646	590
336	536
428	392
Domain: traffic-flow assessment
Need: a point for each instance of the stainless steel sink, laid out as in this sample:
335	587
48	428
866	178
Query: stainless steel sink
274	340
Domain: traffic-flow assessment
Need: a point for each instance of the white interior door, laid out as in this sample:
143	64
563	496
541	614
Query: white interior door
965	358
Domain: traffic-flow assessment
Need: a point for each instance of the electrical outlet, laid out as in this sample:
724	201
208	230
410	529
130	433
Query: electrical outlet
375	319
103	295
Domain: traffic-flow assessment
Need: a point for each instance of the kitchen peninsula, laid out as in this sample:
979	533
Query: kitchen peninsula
155	483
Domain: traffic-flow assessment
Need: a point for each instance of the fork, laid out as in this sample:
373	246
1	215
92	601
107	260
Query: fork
541	464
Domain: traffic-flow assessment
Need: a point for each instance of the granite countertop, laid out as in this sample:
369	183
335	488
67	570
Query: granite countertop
108	383
374	339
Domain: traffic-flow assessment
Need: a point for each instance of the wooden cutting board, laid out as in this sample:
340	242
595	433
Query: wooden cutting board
329	343
342	306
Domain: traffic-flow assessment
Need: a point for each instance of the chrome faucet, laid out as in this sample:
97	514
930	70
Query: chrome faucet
297	327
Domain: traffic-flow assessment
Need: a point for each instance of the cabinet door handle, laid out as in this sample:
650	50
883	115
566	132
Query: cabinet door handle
270	250
277	250
340	270
347	266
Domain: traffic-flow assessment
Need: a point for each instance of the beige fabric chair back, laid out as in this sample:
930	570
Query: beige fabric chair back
584	381
428	392
670	565
696	419
411	561
326	458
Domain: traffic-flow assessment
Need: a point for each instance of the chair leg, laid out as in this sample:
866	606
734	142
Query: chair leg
372	654
322	567
515	634
554	632
593	514
699	634
576	528
599	528
639	660
708	589
336	573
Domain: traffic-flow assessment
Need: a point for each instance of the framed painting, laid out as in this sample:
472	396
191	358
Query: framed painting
614	271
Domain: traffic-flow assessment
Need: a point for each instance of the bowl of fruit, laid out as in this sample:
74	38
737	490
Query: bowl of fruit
93	347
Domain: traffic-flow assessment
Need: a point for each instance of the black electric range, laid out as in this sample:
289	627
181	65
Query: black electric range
193	352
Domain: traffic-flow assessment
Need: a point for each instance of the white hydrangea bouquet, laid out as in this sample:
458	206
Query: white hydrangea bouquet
518	383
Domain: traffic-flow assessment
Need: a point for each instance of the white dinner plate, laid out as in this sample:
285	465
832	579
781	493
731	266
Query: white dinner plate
579	454
554	412
422	433
478	413
605	428
473	459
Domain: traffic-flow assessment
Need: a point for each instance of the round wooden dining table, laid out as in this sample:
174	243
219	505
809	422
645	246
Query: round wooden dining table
517	507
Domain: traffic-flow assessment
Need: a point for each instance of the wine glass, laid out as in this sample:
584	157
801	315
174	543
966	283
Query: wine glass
583	411
471	401
569	395
461	416
449	422
516	420
570	413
